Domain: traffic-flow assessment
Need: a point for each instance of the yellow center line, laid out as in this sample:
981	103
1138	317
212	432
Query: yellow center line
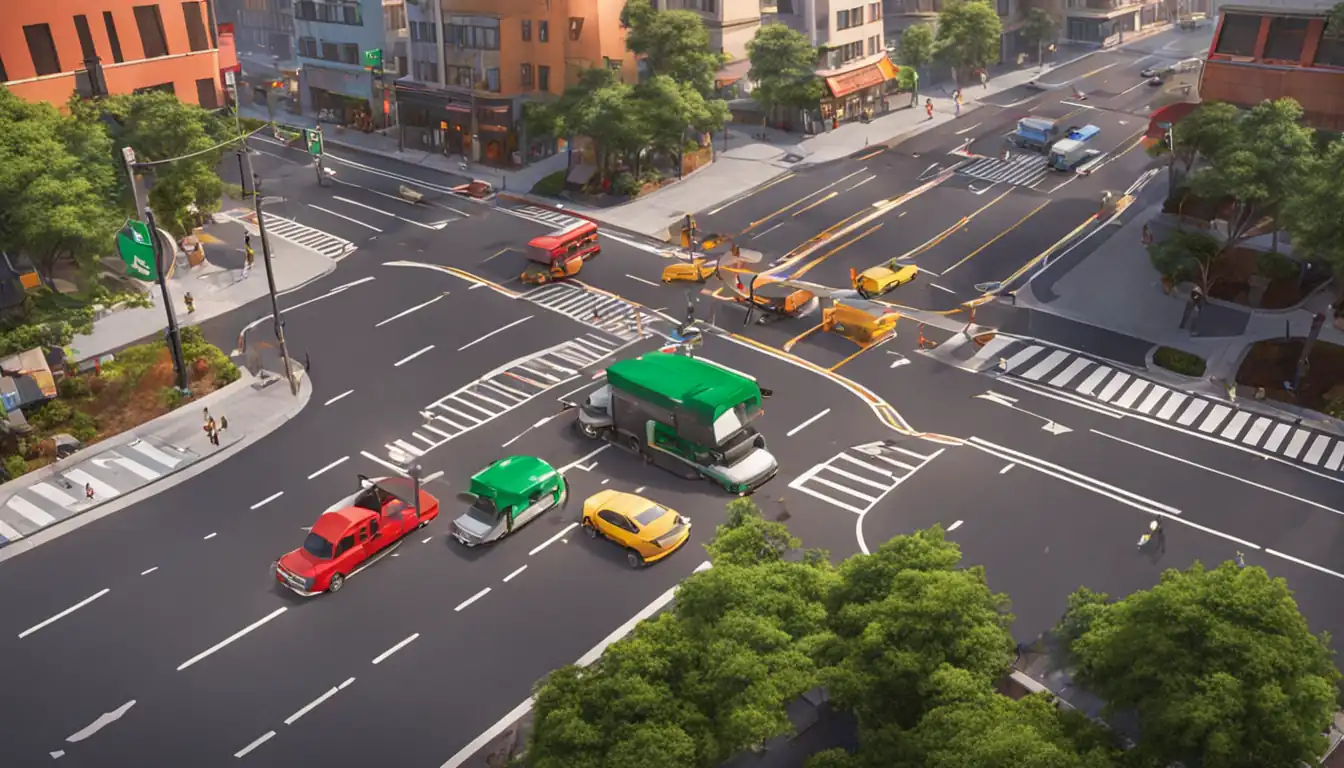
946	233
814	205
997	237
762	188
834	251
1043	254
873	154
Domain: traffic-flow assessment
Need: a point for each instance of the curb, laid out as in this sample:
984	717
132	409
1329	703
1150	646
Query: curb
242	335
102	509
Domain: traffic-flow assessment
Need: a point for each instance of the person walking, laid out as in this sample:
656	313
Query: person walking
190	302
958	100
211	430
249	255
984	79
928	108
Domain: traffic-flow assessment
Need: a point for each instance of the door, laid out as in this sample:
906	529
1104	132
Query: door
618	527
536	504
379	536
349	554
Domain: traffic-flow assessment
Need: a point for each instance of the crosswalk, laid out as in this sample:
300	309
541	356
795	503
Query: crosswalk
326	244
497	393
1023	170
605	312
1083	376
554	218
109	473
857	478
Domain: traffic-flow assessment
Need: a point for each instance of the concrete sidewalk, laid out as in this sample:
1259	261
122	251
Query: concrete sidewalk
216	289
128	468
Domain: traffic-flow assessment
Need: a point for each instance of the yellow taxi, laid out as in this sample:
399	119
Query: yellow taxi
876	281
647	531
696	271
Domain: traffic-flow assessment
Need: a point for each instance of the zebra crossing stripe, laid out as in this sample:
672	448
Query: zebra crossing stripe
1234	427
1336	457
1295	445
8	532
1046	365
99	487
1214	418
1154	397
1317	450
53	495
1173	405
1112	387
1090	383
1276	438
1257	430
1132	394
1075	368
1196	407
30	511
154	453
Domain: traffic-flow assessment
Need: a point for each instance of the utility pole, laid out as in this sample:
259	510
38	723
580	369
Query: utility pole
232	80
275	303
174	333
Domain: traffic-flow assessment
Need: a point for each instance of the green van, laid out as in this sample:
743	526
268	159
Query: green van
507	495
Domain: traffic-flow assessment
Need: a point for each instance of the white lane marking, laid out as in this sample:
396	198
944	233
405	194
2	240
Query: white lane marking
1133	499
341	396
375	459
472	599
104	720
57	755
509	578
1064	397
265	737
406	312
1004	471
34	514
412	356
383	656
954	526
268	500
385	213
99	487
62	614
968	130
332	465
231	638
768	231
333	292
861	183
1045	366
492	333
347	218
209	536
1251	483
1076	104
310	706
149	571
463	755
1068	374
553	539
806	424
640	489
941	288
427	539
432	477
1312	566
642	280
583	460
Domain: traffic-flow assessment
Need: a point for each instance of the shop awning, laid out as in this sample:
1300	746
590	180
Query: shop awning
866	76
1161	120
889	71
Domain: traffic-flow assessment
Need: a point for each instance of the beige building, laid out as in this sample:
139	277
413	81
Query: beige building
731	23
850	36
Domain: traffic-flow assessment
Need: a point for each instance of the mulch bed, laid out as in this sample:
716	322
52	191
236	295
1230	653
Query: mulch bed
1269	364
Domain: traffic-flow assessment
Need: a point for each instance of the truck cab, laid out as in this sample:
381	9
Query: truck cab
1037	133
1070	152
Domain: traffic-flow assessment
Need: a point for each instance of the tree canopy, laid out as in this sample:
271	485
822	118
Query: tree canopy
1219	665
674	43
783	66
1204	133
1313	211
917	45
1039	28
968	36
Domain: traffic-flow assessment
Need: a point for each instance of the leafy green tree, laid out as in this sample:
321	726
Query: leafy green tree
160	127
674	43
968	36
667	108
1313	212
747	538
1219	665
783	66
598	106
1257	167
917	46
900	614
1203	133
1187	255
1039	29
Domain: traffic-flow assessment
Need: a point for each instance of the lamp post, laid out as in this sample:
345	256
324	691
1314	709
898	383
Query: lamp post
174	333
416	472
275	303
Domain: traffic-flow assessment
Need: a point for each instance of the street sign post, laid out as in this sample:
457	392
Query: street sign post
373	60
135	245
312	138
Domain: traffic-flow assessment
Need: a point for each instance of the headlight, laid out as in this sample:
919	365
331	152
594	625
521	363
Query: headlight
308	584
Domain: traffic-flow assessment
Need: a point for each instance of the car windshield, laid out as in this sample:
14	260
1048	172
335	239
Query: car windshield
649	515
483	510
317	547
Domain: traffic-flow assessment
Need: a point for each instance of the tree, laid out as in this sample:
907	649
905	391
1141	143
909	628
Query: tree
1203	133
1187	255
968	36
917	46
1039	29
1257	166
1219	665
1312	212
674	43
783	67
746	538
667	109
598	106
900	614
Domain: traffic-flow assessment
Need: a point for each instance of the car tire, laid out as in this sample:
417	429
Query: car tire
633	559
587	430
337	581
589	529
636	446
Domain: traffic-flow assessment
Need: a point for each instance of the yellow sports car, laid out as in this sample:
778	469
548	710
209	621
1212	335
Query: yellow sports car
876	281
647	531
695	271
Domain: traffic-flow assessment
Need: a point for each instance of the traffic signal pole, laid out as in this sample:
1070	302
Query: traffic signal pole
174	333
275	302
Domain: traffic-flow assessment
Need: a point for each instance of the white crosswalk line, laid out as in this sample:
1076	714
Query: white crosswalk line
30	511
1022	169
1234	426
407	447
893	462
1112	387
137	468
1045	366
1021	357
856	478
1090	383
909	453
1196	407
1173	405
1154	397
1276	438
1126	400
102	491
1317	450
865	465
1336	457
1257	430
988	352
166	459
1075	368
1214	418
843	489
52	494
8	532
1295	445
304	236
828	499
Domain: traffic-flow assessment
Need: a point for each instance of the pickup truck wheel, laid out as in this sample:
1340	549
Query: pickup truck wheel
337	582
632	557
589	529
587	430
636	446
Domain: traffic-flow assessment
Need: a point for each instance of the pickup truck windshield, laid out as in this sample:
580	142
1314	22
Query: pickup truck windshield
483	510
318	547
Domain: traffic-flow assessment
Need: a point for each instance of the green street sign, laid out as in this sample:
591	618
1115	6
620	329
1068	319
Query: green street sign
313	140
137	249
373	59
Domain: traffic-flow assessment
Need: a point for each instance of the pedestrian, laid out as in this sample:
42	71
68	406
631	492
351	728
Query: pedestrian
958	100
1241	559
984	79
211	431
206	415
88	491
1147	235
928	108
190	302
223	423
249	255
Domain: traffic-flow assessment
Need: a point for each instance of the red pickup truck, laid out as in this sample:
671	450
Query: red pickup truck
355	533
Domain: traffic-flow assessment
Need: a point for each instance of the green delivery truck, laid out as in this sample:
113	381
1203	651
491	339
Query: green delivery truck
691	412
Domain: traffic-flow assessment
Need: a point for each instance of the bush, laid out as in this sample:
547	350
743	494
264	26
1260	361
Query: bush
73	387
625	184
551	185
53	415
1276	266
1178	256
15	466
1180	362
83	427
195	348
170	397
227	373
132	363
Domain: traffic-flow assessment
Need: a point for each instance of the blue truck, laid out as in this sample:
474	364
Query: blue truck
1038	133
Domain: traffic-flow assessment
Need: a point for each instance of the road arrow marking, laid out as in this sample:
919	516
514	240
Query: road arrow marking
1055	429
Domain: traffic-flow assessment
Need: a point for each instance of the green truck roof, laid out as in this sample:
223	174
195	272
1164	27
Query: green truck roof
515	477
680	382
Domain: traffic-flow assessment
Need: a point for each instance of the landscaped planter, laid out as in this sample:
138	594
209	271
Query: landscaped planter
1179	362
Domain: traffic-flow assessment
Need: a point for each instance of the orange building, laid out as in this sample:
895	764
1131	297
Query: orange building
141	44
473	64
1273	51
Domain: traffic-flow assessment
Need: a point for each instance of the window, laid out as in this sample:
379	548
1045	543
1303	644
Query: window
1331	52
167	88
424	32
85	37
1239	34
331	51
112	38
363	533
373	527
525	76
474	32
1005	8
196	35
427	71
42	48
842	19
872	46
527	30
150	22
350	54
345	12
492	80
394	17
575	28
613	64
874	11
346	545
308	47
1286	38
401	66
543	78
462	77
544	31
206	95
